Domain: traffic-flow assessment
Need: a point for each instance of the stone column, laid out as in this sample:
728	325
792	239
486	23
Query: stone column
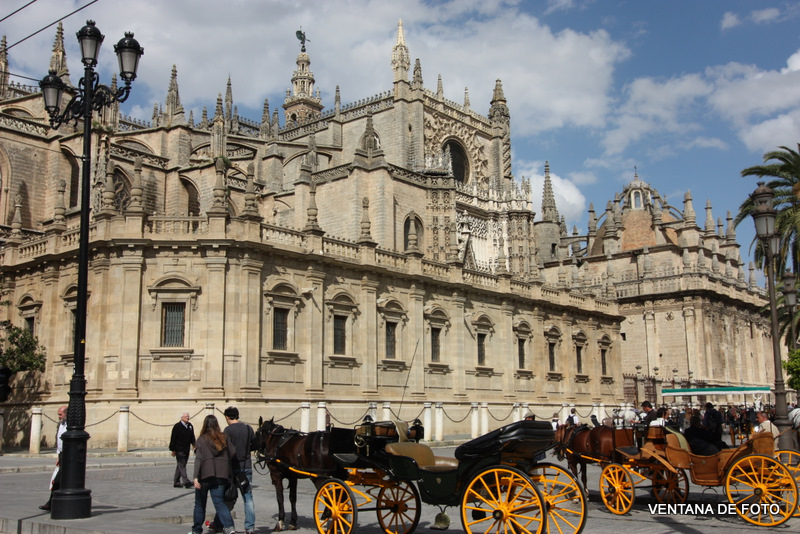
36	430
457	343
475	429
365	330
416	337
427	421
507	355
439	424
372	410
130	310
122	430
250	315
690	327
651	340
387	411
484	418
322	414
309	338
305	417
214	326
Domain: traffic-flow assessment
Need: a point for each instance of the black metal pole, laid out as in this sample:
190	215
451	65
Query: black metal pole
781	410
73	500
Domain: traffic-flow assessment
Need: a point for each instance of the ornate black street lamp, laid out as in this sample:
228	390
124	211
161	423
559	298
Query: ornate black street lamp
764	218
73	500
790	299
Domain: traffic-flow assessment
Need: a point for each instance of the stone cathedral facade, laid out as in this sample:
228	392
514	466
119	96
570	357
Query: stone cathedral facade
380	250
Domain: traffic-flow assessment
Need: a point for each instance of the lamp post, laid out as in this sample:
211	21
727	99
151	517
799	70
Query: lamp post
73	500
790	299
764	218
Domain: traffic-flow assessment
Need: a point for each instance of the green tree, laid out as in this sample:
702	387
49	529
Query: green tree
792	367
783	168
20	350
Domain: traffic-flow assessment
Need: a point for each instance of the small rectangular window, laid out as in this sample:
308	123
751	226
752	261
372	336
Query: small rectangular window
481	349
436	335
521	353
391	342
30	325
551	352
173	318
579	358
603	364
339	334
280	329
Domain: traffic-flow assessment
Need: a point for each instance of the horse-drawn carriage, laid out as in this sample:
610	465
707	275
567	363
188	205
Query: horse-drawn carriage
497	480
761	487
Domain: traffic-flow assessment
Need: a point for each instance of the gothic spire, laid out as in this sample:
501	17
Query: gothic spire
549	211
400	55
174	109
439	88
229	100
417	82
58	60
498	111
3	67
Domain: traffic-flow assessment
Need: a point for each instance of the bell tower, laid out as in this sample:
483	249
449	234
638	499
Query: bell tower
301	103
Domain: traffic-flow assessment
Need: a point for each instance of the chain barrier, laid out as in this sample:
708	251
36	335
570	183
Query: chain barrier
285	417
587	416
453	420
49	418
361	418
148	422
397	415
103	421
504	418
201	410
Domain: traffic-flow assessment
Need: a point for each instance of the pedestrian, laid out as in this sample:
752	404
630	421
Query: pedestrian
765	425
573	418
650	414
55	480
242	437
712	420
180	442
212	473
660	418
699	438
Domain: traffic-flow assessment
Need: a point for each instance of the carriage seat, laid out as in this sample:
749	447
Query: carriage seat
422	455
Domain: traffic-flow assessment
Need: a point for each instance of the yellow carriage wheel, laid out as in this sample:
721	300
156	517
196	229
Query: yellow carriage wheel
564	497
500	500
399	508
669	487
763	490
335	510
616	489
791	459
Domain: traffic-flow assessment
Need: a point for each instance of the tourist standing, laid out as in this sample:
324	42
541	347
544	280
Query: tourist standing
212	473
241	435
55	482
180	443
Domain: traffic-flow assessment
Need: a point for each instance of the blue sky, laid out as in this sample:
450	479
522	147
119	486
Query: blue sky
687	92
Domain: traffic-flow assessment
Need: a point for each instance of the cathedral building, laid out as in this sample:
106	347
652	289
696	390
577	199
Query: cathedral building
374	251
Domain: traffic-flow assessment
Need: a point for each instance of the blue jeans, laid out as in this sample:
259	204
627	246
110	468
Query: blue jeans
249	510
216	487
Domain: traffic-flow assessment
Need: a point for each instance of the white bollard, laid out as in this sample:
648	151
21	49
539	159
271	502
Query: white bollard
439	424
209	409
305	416
36	431
427	421
2	427
322	412
484	418
372	410
122	431
475	430
387	411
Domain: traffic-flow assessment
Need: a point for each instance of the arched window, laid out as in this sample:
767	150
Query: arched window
459	160
414	223
192	198
74	180
122	191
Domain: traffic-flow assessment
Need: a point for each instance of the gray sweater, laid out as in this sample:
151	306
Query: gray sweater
211	463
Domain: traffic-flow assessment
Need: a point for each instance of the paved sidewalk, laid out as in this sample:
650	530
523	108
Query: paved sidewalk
132	493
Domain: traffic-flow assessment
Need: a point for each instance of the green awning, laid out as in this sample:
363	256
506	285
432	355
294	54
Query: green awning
727	390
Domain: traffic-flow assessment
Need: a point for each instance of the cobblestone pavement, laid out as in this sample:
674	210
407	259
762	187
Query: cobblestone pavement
133	493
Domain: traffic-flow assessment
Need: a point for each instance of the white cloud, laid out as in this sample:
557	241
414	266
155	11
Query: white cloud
729	20
764	16
783	130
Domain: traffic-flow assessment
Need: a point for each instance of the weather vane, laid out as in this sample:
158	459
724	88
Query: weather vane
301	36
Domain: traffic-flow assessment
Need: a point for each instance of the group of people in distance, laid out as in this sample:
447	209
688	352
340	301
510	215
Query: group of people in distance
219	456
703	431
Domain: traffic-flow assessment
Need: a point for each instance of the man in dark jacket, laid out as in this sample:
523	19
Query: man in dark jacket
181	440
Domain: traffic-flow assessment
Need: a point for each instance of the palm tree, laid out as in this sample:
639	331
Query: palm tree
785	171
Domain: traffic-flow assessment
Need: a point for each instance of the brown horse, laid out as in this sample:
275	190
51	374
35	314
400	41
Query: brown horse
292	455
581	445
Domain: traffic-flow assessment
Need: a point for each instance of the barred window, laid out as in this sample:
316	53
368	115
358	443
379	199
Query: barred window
280	329
391	340
436	336
340	334
481	349
603	363
551	353
173	319
521	353
579	358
